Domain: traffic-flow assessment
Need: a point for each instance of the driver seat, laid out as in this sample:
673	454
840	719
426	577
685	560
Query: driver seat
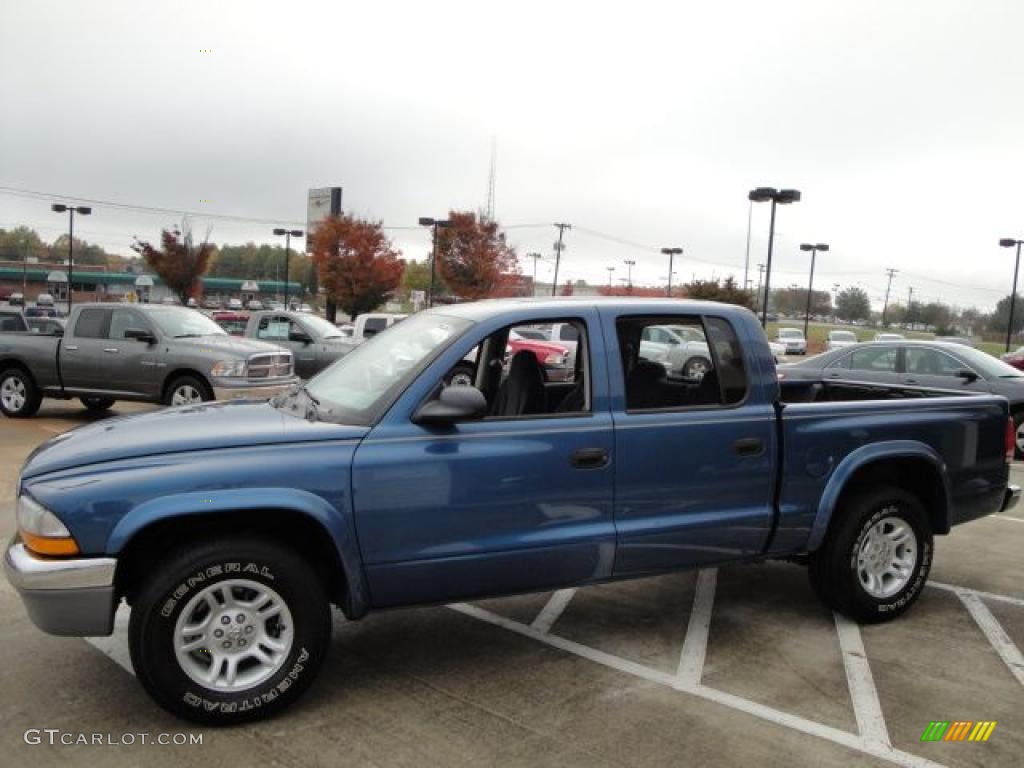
522	393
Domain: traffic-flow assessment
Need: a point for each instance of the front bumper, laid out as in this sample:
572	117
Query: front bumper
64	597
246	390
1010	498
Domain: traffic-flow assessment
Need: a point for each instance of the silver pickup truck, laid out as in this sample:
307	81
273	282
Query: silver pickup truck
149	353
314	342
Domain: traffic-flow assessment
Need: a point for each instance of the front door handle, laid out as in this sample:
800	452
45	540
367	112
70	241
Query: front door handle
748	446
70	349
111	349
590	458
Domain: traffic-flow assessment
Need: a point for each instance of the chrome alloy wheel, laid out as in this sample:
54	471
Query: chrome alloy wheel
233	635
1020	437
13	394
887	556
186	394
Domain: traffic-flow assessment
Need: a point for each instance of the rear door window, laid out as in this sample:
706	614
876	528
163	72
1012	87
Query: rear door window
878	360
92	324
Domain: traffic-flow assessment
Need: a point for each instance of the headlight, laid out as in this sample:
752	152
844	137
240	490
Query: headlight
555	358
228	369
41	531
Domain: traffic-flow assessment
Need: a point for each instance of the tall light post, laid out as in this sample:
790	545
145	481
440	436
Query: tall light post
777	197
629	272
82	210
671	253
288	235
835	300
426	221
1009	242
610	270
814	249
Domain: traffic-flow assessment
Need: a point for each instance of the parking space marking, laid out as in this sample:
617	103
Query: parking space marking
995	634
116	645
1011	518
957	590
785	719
695	646
553	609
863	694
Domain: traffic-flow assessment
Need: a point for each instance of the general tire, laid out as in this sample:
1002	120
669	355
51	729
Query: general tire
97	403
840	570
19	396
186	390
165	605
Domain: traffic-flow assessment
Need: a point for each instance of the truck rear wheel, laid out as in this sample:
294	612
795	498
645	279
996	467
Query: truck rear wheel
19	396
229	631
876	556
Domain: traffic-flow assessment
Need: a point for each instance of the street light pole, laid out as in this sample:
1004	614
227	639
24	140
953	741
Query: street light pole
777	197
84	210
1009	242
426	221
810	284
671	253
610	270
629	274
535	257
288	235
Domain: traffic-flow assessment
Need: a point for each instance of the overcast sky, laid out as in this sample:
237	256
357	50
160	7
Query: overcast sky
900	122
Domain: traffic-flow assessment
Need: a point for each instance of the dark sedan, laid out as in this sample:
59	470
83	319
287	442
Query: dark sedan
936	365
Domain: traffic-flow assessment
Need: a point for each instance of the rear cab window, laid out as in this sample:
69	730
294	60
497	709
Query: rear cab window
680	362
92	323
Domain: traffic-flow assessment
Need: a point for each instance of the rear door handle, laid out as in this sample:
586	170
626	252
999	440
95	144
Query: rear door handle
111	349
70	349
748	446
589	458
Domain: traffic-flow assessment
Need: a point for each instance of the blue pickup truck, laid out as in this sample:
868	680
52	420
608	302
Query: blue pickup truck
231	528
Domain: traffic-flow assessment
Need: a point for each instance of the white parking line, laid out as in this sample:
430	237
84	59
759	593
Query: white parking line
116	645
553	609
1011	518
863	695
986	595
695	646
995	634
795	722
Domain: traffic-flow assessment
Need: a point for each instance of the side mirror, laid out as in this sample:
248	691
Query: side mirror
968	376
453	404
139	335
302	336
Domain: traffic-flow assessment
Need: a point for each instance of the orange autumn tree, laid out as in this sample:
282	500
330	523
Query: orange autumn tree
473	258
181	264
356	263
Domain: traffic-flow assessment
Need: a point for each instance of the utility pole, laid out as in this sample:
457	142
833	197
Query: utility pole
910	305
559	246
885	305
536	258
746	261
760	277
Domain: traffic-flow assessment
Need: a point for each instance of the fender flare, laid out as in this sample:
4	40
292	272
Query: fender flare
871	454
337	522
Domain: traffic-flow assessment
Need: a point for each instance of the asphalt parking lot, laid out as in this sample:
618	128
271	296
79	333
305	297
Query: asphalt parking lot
737	665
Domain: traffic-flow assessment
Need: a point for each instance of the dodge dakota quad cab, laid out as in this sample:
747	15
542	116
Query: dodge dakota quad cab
146	352
231	528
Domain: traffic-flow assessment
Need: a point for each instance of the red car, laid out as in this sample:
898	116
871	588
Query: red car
232	322
1015	358
558	363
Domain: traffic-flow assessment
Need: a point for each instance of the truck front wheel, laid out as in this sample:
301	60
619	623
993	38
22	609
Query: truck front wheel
876	556
187	390
229	631
19	396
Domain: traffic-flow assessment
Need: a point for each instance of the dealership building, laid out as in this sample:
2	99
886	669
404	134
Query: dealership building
97	283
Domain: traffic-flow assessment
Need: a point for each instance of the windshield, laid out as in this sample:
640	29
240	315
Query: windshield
843	336
321	327
356	386
790	333
180	322
988	366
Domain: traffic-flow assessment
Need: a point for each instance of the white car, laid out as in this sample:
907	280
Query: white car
840	339
890	337
793	339
235	304
778	350
682	349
